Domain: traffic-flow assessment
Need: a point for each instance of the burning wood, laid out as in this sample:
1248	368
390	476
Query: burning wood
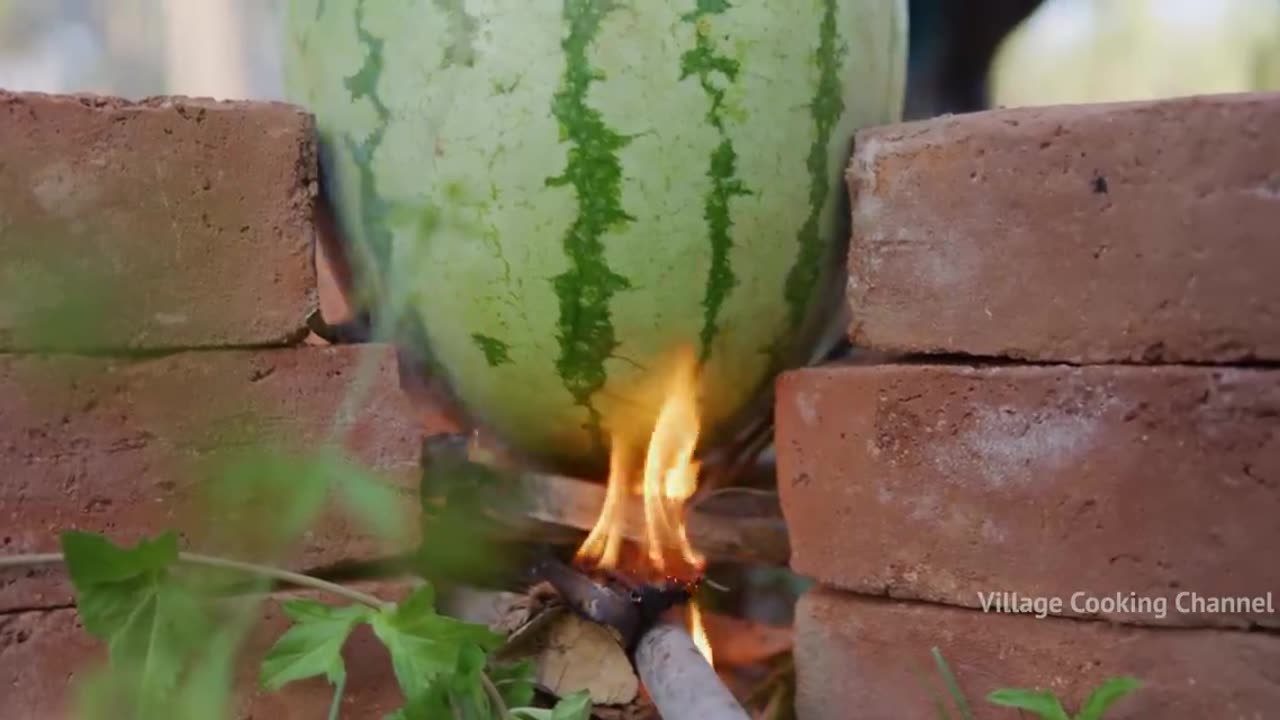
681	683
588	634
641	557
666	479
733	525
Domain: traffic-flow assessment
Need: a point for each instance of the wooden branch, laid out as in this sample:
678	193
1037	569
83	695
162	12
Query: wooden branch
679	680
734	524
730	525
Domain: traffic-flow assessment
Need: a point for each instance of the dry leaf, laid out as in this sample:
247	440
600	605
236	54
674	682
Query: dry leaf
576	654
639	709
520	610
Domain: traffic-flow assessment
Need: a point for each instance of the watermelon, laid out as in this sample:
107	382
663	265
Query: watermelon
554	198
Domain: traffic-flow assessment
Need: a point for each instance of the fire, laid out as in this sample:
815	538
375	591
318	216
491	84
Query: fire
699	633
663	482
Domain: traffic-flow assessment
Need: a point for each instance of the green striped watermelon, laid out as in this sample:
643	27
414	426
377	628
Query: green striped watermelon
559	194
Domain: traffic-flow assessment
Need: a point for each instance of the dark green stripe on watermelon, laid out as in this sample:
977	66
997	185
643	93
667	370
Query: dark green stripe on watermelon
462	31
704	61
594	171
826	108
495	351
364	84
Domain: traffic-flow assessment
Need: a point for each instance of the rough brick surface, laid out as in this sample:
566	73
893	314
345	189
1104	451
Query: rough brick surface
867	659
127	447
940	482
168	223
43	654
1142	231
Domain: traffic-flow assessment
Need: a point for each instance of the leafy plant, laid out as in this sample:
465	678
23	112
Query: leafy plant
1043	703
953	690
166	656
175	623
170	654
1047	706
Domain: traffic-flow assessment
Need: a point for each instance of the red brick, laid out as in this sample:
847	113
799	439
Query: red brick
124	447
869	659
939	482
1143	231
43	655
169	223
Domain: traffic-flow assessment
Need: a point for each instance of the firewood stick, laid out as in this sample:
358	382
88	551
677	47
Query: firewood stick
756	535
679	680
734	524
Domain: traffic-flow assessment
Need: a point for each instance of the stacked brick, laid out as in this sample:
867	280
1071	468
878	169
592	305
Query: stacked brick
157	274
1083	421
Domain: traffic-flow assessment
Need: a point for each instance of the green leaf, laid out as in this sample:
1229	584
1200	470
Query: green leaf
425	645
939	707
126	598
459	694
466	689
369	498
515	682
1041	702
91	559
460	529
1107	695
207	693
261	500
428	705
576	706
168	655
312	645
204	694
953	686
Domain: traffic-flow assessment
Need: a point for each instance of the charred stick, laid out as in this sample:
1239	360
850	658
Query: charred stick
679	680
736	534
628	609
557	509
596	602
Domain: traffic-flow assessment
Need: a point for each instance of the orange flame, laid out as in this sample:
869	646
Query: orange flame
667	478
664	482
699	633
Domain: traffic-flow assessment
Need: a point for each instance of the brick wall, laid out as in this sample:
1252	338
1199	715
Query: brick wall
1087	296
1086	308
157	272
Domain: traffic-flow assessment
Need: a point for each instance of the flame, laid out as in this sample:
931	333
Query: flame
665	480
603	545
699	633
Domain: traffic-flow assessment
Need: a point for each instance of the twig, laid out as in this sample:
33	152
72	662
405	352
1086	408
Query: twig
30	559
681	682
225	564
494	696
558	509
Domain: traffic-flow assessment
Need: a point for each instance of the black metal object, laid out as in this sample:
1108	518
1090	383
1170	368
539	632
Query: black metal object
628	609
952	45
